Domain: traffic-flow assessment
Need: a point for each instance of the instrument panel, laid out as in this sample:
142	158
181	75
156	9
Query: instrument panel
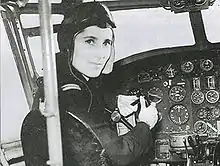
189	91
186	89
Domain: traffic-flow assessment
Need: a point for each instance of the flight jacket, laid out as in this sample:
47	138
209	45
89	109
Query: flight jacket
86	128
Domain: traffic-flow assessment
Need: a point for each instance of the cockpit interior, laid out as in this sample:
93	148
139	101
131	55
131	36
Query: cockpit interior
185	86
183	79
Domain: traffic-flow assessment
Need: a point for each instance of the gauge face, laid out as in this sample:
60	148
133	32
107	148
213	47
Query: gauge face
155	94
187	67
197	97
179	114
177	93
202	113
144	77
207	114
206	65
212	96
215	112
200	127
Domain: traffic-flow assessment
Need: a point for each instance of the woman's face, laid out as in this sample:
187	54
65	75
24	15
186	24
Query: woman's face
92	50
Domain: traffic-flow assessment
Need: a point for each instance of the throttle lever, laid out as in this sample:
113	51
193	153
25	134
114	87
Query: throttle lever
198	141
200	153
193	144
188	157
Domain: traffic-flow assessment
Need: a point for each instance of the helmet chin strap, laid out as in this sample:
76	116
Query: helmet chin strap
70	50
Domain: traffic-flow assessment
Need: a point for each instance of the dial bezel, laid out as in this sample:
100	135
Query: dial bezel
204	125
183	67
202	65
209	99
181	121
201	94
172	93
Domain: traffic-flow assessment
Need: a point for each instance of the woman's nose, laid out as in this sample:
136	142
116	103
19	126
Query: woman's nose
102	54
102	58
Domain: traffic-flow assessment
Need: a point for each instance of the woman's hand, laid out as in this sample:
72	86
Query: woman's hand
148	114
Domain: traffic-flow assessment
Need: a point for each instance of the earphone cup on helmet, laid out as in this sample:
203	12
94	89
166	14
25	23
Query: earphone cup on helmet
64	39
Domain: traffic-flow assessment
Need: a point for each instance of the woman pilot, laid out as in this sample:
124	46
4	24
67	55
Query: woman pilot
86	42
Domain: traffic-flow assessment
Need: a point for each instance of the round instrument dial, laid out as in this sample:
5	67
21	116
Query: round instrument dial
215	112
197	97
207	113
202	113
200	127
155	94
212	96
206	65
177	93
187	67
144	77
179	114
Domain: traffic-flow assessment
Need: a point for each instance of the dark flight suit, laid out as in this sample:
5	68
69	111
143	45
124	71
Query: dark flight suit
84	126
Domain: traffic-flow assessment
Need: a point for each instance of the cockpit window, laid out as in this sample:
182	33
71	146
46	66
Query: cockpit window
212	28
147	29
35	46
33	20
137	31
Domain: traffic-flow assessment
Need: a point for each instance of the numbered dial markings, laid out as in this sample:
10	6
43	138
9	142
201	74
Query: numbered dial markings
202	113
216	112
200	127
197	97
177	93
179	114
187	67
207	113
212	96
206	65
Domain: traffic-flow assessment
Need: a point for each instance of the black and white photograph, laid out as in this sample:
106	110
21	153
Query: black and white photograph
110	82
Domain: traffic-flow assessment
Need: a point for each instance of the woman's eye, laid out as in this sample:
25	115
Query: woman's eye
107	43
90	41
